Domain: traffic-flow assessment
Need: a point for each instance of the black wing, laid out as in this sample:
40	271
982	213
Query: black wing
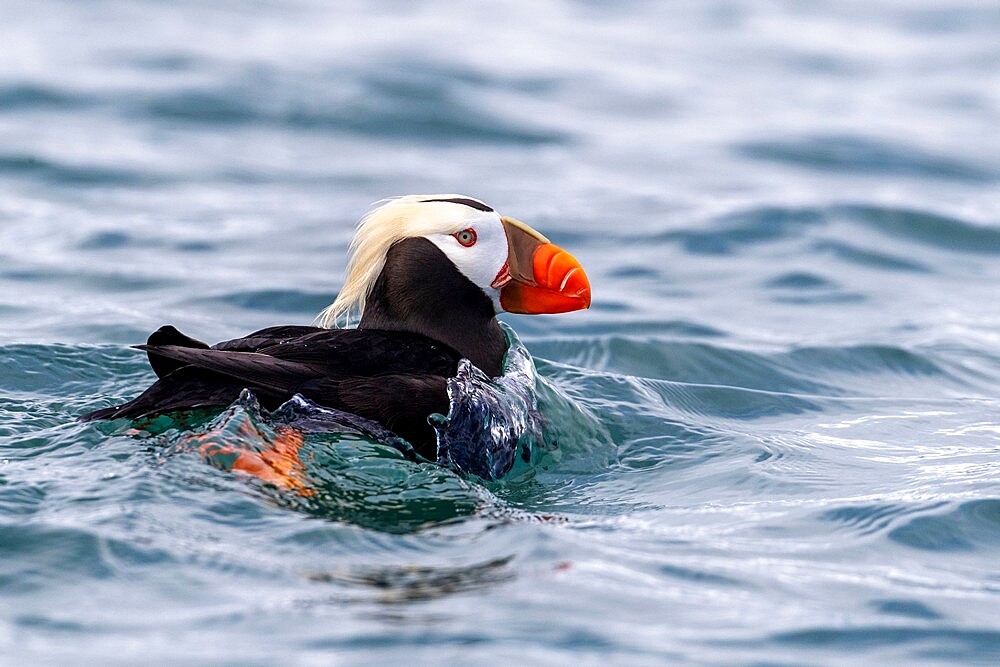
169	335
268	337
313	351
394	378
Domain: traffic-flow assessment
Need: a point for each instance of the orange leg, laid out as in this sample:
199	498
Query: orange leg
278	464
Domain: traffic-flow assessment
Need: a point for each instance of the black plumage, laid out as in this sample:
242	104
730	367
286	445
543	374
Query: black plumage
422	316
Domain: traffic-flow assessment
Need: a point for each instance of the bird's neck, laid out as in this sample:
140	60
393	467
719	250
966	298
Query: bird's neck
421	291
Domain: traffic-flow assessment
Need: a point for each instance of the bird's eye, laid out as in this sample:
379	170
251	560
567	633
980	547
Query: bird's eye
467	237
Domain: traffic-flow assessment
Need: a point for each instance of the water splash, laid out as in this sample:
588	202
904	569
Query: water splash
491	421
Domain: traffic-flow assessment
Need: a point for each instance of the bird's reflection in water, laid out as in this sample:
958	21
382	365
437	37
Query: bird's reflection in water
414	583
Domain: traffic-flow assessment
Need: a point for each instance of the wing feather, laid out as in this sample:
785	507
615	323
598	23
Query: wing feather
260	370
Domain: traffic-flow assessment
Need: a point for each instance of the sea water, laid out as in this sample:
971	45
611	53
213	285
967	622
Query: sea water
776	433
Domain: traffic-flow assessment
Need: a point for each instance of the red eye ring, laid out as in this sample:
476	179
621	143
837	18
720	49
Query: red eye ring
467	237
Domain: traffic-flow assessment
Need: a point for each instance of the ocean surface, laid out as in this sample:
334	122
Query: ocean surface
777	429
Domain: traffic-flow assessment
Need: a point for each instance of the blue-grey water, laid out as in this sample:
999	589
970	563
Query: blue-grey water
778	426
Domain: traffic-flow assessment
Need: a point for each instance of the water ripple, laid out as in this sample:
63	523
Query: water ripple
846	153
938	231
975	644
60	173
400	103
971	525
16	98
772	440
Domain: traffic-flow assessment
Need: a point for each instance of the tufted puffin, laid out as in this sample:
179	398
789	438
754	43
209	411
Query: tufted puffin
427	276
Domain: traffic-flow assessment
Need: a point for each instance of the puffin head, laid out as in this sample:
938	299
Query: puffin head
436	245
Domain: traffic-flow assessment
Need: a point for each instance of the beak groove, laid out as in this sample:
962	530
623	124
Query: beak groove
569	275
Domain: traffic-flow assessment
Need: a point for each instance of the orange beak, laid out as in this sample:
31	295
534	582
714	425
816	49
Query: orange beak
541	277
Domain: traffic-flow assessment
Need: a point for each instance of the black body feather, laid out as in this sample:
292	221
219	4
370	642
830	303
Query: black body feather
421	318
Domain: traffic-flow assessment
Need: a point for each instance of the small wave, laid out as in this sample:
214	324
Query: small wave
906	609
744	228
60	173
107	240
39	553
799	280
686	362
864	359
293	301
62	370
969	645
740	232
636	399
679	445
857	154
867	257
971	525
30	96
803	287
701	576
398	101
874	518
604	327
119	239
643	386
932	229
108	281
162	61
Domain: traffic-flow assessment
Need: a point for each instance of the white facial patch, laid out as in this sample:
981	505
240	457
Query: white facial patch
482	261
